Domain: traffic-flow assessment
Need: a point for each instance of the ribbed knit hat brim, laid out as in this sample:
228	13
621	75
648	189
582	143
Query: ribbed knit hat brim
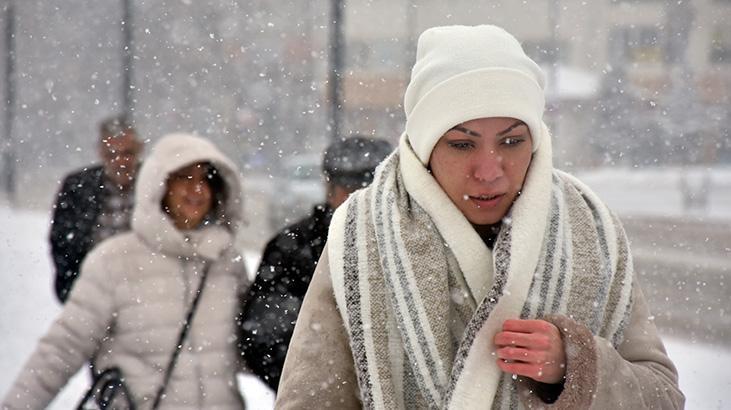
464	73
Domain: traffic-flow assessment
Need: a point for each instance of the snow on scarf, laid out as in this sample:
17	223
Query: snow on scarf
422	297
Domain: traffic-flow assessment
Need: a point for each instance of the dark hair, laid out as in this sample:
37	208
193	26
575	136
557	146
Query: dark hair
115	126
218	188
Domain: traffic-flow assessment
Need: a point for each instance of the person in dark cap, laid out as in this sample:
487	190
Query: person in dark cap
290	258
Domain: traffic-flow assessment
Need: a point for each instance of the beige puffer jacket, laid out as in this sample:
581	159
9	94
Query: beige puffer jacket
129	303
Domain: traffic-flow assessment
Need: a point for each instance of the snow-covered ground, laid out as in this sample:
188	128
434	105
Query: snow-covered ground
29	306
660	192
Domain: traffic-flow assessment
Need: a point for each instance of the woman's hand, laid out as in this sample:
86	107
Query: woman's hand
531	348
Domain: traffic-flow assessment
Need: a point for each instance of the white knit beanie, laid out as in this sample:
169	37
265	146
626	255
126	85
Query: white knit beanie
464	73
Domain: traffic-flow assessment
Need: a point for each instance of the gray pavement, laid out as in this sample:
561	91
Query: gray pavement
684	267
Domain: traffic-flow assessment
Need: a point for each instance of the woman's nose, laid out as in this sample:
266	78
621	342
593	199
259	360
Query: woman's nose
488	167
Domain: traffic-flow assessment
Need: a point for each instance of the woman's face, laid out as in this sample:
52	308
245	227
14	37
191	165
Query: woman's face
189	196
481	165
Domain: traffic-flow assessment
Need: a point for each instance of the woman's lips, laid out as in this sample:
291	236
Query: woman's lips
486	201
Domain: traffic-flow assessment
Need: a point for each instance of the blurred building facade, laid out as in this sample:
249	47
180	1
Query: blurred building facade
630	82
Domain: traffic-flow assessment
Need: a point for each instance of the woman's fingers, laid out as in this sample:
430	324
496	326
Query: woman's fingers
521	355
527	326
543	373
531	348
531	340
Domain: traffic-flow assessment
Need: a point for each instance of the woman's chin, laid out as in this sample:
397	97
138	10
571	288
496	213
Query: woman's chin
484	217
189	221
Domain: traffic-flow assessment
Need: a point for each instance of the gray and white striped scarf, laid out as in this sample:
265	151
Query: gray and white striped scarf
422	297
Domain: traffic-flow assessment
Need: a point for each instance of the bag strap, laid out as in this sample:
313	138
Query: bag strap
181	339
104	390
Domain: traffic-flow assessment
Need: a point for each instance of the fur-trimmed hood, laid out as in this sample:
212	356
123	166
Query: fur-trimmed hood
156	228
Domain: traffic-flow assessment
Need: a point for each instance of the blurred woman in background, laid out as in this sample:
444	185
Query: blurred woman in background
129	305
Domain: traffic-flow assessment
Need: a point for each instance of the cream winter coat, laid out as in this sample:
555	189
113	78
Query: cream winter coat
320	373
128	305
347	351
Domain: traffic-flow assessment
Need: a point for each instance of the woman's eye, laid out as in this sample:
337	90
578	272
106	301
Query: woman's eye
516	140
461	145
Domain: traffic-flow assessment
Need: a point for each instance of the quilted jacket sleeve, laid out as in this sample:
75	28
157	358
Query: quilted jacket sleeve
71	340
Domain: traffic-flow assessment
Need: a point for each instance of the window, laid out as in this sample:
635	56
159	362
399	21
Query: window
721	45
637	44
376	54
633	1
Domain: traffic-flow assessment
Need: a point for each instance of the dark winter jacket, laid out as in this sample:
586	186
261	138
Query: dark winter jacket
274	300
78	204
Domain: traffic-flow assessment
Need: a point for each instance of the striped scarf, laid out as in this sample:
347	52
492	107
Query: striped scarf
422	297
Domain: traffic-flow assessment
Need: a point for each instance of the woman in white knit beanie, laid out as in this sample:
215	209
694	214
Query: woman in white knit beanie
471	273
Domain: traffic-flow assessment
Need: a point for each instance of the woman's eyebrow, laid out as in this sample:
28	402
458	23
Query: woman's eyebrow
477	134
507	130
466	131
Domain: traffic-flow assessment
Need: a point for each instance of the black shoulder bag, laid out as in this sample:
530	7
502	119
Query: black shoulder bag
109	390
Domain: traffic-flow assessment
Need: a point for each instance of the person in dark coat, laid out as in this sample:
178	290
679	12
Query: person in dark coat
290	258
95	202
